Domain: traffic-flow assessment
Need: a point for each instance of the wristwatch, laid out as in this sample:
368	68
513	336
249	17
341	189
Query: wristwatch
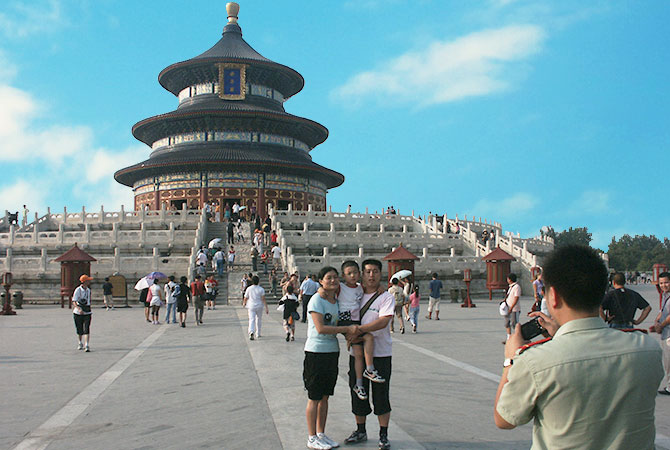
508	362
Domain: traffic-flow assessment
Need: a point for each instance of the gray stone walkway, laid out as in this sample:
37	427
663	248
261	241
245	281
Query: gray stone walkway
145	386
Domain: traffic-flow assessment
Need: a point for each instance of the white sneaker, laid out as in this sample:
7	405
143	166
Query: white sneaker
315	443
327	440
80	346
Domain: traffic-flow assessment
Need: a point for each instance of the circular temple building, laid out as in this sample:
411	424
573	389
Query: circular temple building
230	139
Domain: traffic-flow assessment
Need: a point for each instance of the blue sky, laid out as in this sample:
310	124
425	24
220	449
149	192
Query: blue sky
528	112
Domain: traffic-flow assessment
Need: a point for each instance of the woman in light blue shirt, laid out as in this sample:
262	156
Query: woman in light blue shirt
322	351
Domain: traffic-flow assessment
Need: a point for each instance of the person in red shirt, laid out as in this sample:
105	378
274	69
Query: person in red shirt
273	237
198	293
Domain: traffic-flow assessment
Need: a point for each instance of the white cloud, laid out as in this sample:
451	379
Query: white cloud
473	65
103	163
70	169
8	69
23	140
23	19
507	208
592	202
23	192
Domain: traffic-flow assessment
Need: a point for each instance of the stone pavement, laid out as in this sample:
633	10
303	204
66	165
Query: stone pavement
145	386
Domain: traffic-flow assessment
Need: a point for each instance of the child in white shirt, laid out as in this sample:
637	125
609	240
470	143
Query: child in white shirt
349	300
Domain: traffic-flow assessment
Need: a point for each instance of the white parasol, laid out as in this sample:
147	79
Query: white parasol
215	243
402	274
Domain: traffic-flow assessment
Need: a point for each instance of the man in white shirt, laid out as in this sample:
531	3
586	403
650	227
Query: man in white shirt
513	303
236	211
220	259
170	300
375	320
276	257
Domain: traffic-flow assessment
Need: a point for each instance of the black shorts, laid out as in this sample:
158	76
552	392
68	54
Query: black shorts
320	374
380	391
82	323
182	306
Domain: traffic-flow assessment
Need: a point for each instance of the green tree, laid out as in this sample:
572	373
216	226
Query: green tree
638	253
573	236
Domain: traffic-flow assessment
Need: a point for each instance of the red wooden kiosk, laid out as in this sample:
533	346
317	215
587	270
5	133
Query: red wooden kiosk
498	266
73	264
400	259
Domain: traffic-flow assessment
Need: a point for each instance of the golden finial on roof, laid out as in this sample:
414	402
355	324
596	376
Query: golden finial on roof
232	9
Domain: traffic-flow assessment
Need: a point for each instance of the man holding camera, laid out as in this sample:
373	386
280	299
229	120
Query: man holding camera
590	386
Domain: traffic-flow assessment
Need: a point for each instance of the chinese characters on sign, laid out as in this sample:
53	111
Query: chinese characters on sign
232	83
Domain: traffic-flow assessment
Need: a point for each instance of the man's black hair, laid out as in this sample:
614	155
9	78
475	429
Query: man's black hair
664	275
255	279
395	281
373	262
197	277
289	289
171	278
512	277
183	279
578	275
435	275
106	278
349	263
325	270
619	279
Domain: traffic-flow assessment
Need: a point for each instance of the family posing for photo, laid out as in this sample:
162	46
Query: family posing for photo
362	310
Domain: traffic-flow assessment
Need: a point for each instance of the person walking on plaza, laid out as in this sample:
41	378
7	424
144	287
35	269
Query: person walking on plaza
399	298
589	387
230	231
537	292
307	289
170	300
513	300
236	211
183	295
81	302
272	279
220	259
290	302
231	258
254	301
435	287
210	292
407	288
156	301
254	259
619	305
375	319
322	352
107	294
276	257
198	295
145	301
414	300
662	326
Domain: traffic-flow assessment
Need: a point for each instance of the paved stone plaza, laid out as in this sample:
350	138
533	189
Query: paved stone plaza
163	387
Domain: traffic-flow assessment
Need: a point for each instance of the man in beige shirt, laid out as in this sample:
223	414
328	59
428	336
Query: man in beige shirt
590	386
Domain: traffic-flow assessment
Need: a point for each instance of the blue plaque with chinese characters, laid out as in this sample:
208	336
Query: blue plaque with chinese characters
232	81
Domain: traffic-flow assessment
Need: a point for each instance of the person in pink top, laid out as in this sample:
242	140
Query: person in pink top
414	300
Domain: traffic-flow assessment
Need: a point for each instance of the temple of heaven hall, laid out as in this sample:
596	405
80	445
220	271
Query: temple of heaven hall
230	139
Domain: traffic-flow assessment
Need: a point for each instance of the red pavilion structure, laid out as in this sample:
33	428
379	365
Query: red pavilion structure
230	139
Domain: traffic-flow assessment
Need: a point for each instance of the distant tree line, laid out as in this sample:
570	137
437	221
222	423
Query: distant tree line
628	253
638	253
